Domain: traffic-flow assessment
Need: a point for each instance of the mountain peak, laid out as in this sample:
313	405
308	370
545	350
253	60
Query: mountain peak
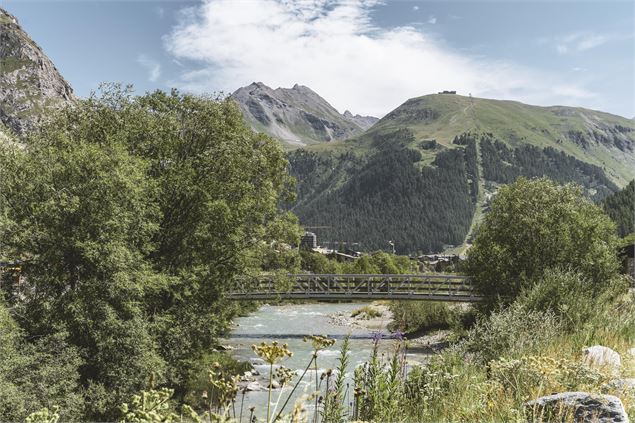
297	115
29	82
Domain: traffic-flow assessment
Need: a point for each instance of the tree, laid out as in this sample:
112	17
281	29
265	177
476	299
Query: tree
535	225
133	215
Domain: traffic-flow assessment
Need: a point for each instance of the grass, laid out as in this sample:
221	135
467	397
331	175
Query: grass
366	312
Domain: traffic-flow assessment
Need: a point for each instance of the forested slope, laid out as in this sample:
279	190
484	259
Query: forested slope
621	208
420	174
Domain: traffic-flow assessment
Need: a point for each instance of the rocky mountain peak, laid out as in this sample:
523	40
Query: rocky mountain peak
297	116
29	82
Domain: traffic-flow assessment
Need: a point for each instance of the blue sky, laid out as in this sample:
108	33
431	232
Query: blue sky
367	56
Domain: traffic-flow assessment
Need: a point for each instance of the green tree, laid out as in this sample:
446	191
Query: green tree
133	215
621	208
535	225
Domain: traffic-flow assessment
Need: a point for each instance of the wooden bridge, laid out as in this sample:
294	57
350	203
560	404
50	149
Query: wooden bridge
355	287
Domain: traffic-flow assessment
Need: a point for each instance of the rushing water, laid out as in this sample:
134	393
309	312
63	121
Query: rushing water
289	324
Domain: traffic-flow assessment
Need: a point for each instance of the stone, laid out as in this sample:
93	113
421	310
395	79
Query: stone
253	387
224	347
274	384
602	357
577	407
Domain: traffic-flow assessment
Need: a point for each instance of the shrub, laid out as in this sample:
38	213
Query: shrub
529	377
411	316
366	312
513	331
570	296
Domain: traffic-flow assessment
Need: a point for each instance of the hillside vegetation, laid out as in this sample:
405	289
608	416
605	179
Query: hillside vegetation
424	174
621	208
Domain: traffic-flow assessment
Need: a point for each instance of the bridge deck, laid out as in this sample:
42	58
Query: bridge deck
356	287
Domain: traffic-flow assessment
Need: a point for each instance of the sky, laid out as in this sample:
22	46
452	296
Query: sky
366	56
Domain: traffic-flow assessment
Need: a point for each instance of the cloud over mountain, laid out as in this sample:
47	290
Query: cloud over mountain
335	48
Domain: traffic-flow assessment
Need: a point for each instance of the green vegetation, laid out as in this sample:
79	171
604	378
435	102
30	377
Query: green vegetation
535	225
504	165
388	196
376	263
415	316
621	208
523	350
132	216
415	177
366	312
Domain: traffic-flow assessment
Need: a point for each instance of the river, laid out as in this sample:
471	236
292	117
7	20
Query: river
289	324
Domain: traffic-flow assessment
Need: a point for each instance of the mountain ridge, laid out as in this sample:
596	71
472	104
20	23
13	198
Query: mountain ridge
296	116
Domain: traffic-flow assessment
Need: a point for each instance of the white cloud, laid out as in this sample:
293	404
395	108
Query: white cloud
432	20
333	47
581	41
415	8
153	67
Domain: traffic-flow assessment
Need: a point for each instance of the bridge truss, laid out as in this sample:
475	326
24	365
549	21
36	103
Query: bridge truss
356	287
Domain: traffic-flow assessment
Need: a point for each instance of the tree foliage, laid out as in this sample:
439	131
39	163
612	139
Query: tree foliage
133	215
390	194
535	225
621	208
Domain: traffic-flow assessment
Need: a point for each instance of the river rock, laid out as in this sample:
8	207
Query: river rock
620	386
224	347
578	407
602	357
274	384
253	387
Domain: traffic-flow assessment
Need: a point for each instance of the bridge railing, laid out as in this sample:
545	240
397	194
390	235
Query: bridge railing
356	286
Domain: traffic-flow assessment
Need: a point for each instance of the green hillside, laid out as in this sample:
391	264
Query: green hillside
424	174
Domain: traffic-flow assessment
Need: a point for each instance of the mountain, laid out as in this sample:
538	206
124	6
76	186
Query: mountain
425	173
29	82
297	116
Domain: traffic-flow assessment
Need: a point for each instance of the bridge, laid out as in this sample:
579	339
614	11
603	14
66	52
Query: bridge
355	287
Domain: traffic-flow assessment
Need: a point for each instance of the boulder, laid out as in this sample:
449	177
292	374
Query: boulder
602	357
253	387
577	407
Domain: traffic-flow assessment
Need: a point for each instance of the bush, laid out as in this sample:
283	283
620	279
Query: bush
366	312
411	316
535	225
570	296
511	332
530	377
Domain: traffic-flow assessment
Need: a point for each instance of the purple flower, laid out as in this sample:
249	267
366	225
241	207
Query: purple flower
398	335
377	336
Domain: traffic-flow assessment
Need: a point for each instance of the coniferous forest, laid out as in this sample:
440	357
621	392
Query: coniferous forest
398	193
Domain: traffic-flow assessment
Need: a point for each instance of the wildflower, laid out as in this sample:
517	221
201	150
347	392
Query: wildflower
398	335
272	353
319	342
283	375
377	336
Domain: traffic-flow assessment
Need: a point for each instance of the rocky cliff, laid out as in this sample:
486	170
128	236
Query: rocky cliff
29	82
